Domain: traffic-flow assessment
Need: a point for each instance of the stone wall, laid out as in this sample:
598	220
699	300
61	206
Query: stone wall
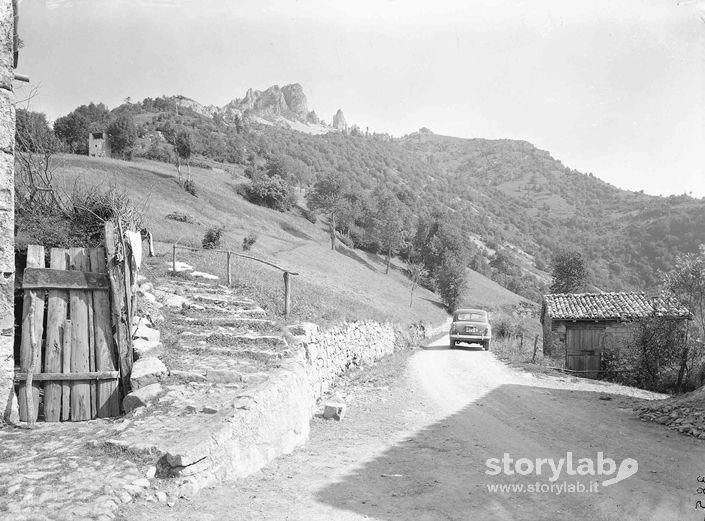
273	418
328	355
7	243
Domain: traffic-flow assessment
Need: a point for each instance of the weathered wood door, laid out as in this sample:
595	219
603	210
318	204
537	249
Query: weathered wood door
76	359
583	349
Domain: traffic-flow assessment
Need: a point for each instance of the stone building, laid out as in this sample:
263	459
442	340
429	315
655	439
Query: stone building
98	144
580	327
8	402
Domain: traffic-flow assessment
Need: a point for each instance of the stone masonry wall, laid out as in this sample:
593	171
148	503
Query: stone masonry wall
8	402
273	418
328	355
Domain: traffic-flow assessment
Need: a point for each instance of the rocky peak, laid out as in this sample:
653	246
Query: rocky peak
288	101
339	122
295	99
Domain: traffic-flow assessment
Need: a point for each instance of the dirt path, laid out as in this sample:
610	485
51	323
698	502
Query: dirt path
416	448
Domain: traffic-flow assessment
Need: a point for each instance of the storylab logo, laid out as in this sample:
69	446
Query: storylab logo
560	476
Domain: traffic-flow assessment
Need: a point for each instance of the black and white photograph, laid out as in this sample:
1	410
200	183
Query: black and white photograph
345	260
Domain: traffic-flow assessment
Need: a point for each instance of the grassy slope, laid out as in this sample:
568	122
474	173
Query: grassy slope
345	284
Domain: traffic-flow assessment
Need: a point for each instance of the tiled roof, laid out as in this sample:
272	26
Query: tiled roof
611	306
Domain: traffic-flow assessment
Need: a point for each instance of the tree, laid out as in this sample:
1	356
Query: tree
328	197
416	272
451	280
569	274
32	132
122	134
35	145
183	146
686	283
391	224
73	129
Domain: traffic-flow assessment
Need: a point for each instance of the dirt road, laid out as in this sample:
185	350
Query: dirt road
420	430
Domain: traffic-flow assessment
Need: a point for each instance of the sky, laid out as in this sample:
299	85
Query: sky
611	87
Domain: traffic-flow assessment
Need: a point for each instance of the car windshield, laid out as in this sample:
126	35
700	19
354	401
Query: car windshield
473	316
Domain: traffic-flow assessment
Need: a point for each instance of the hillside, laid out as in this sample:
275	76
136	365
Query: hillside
513	205
332	285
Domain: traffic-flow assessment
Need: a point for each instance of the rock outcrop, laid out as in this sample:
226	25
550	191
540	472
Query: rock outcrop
288	101
339	122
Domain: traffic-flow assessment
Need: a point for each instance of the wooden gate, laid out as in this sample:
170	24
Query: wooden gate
75	358
584	349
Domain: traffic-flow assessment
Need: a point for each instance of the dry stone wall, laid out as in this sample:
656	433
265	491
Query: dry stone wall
327	355
8	402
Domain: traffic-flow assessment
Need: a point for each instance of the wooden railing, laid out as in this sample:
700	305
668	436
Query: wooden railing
229	254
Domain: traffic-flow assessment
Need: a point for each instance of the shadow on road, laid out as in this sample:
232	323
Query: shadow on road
440	472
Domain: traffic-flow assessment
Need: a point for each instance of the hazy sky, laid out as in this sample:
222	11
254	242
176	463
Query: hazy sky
612	87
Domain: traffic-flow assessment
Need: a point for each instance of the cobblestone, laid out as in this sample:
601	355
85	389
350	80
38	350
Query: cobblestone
54	472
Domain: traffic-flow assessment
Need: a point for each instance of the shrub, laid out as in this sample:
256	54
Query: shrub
309	215
158	153
212	238
347	241
249	241
271	192
180	217
190	187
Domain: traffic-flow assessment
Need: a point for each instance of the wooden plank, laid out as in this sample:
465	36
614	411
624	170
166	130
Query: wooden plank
35	259
56	316
105	360
51	278
80	390
91	349
120	327
54	377
65	368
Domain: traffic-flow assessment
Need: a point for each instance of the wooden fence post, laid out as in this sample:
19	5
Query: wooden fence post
536	345
287	294
229	277
121	329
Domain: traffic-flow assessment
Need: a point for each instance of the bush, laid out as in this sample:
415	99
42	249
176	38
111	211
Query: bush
212	238
78	221
158	153
271	192
502	327
347	241
309	215
180	217
190	187
249	241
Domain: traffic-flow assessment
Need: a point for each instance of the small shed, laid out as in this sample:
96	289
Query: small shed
98	144
580	326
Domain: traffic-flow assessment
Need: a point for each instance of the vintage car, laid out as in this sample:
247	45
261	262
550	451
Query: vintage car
471	326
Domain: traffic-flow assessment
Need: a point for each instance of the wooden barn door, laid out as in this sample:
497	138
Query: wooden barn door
583	349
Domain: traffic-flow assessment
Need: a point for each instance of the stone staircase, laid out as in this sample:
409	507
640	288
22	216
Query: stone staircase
224	379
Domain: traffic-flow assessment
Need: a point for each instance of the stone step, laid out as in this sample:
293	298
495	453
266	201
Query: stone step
261	355
253	310
228	300
229	321
228	338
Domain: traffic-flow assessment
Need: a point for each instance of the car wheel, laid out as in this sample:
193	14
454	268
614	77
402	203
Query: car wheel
452	344
486	345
